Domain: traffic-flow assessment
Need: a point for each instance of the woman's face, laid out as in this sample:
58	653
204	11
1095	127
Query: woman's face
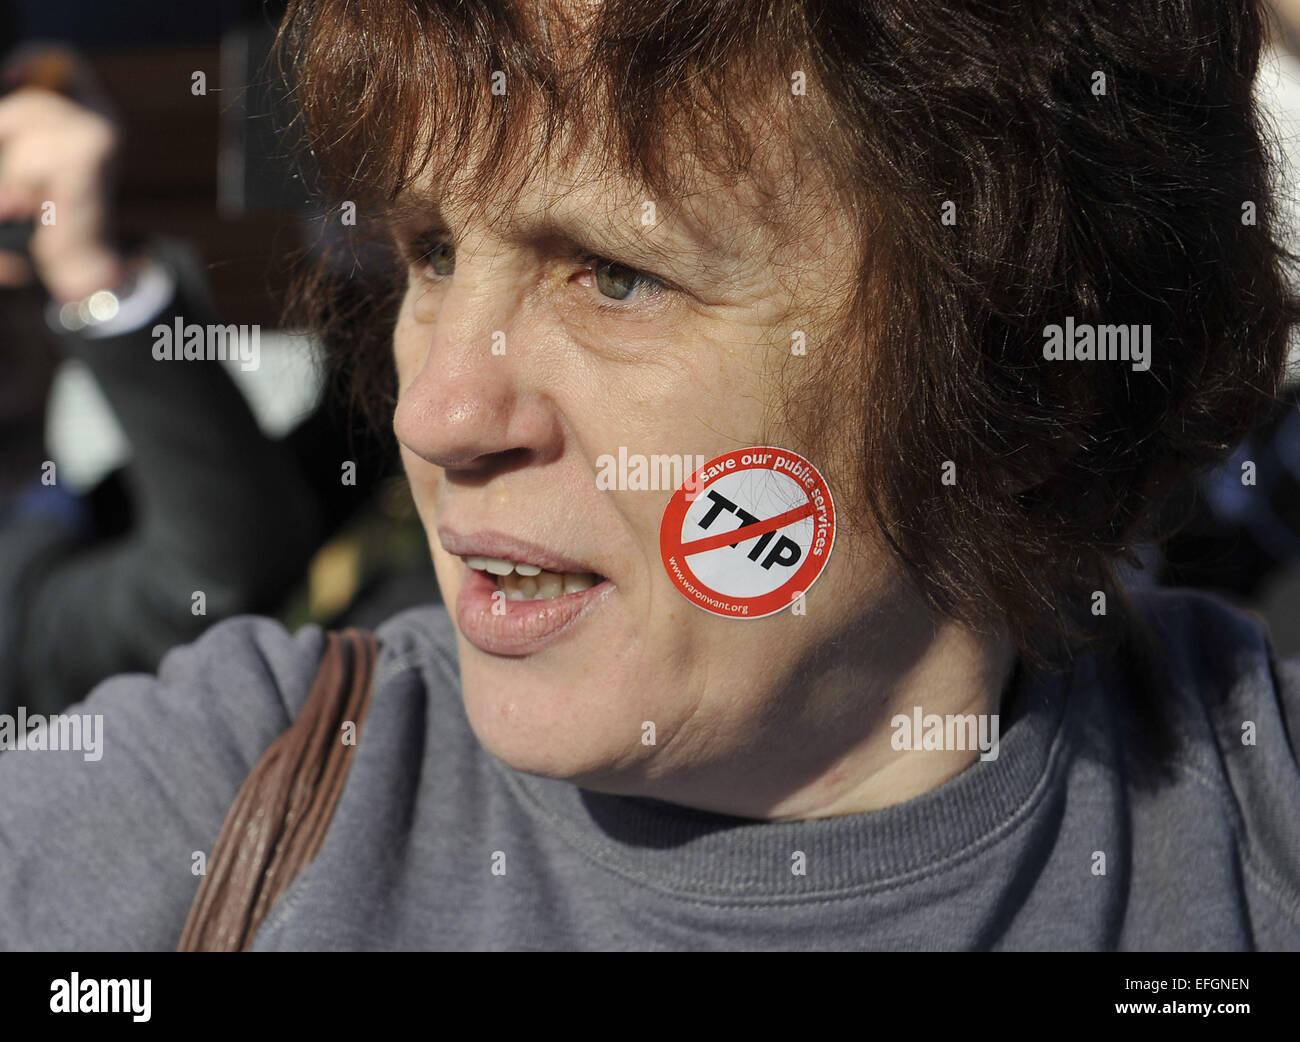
522	361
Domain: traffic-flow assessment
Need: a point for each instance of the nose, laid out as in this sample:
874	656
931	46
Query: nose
470	398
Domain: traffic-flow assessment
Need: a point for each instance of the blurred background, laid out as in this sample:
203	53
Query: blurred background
171	481
145	459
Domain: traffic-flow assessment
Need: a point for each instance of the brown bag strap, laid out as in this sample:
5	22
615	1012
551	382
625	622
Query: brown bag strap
278	820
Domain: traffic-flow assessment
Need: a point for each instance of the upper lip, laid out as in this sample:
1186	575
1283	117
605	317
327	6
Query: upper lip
485	543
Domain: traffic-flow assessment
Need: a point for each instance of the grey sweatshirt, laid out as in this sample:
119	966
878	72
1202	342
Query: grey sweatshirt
1143	802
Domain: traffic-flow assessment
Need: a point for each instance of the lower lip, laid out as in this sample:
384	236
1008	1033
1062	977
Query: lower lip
525	626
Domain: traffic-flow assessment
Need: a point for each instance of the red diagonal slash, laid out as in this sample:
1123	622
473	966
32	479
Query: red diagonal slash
746	532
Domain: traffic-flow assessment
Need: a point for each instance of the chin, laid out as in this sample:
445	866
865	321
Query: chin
551	724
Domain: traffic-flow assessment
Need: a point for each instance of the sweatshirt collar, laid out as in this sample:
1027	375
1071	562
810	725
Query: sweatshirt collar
702	854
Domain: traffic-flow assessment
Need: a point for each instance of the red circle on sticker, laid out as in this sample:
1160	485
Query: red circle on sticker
748	532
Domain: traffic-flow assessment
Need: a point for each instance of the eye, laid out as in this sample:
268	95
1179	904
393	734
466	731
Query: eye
619	282
441	258
434	255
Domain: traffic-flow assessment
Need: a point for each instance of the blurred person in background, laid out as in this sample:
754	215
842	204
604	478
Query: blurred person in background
213	517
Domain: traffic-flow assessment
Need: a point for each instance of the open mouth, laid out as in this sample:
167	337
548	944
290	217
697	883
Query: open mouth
522	581
525	597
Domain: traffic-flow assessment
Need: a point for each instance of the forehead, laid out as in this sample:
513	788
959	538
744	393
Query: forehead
573	181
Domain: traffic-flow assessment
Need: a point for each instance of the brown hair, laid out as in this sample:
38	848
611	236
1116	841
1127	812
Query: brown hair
1098	155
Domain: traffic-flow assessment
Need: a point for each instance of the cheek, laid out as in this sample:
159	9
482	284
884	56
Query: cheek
410	340
449	570
424	480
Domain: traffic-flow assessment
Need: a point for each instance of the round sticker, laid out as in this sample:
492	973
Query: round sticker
748	532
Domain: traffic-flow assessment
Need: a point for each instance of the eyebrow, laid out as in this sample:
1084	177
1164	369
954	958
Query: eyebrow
672	245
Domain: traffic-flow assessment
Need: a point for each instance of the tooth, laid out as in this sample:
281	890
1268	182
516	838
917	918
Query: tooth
527	569
498	567
515	595
549	584
575	581
477	563
527	586
508	582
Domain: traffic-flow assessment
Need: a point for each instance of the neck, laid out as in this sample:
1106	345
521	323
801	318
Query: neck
926	726
832	741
